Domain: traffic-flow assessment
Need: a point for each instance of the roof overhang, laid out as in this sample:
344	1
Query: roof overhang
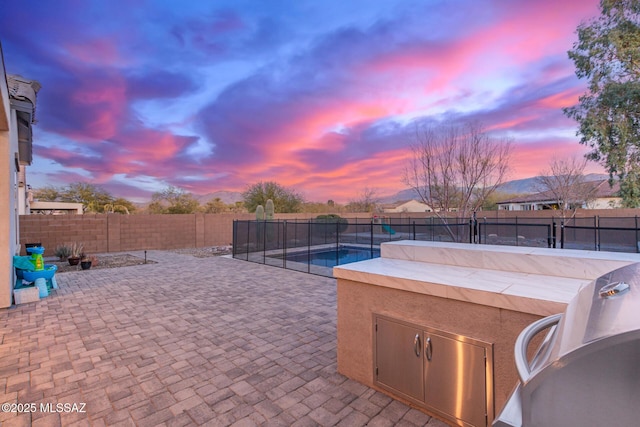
4	95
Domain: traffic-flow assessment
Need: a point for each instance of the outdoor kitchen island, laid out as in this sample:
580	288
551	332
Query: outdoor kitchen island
434	324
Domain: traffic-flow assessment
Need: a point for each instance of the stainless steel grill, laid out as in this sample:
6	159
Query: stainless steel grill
586	372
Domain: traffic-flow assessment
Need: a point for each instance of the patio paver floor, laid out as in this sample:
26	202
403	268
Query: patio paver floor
186	341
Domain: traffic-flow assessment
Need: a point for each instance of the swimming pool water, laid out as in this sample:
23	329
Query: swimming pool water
331	257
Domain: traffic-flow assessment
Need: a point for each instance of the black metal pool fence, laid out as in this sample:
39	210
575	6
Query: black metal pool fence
278	242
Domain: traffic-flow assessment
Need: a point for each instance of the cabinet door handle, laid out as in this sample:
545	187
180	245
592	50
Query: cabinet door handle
416	345
428	350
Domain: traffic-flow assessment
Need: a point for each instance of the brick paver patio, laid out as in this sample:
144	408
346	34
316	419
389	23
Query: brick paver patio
186	341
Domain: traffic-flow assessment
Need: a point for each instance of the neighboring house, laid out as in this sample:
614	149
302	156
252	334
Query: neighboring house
603	197
55	208
406	206
16	117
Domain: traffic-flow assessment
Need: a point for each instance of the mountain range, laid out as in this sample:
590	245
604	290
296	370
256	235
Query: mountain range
517	186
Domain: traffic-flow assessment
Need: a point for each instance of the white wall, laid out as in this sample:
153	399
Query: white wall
409	206
8	205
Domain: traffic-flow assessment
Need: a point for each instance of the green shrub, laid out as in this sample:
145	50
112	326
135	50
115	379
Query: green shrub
330	219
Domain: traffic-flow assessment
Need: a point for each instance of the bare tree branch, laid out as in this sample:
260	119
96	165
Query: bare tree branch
564	181
456	167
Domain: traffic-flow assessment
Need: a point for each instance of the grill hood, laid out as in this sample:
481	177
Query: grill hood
587	370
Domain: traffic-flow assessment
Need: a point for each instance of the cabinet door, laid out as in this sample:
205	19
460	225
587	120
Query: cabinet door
398	352
455	378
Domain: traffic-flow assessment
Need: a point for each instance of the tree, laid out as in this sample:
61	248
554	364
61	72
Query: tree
564	181
120	205
455	168
47	194
173	200
238	207
215	206
367	201
92	197
319	207
285	200
607	53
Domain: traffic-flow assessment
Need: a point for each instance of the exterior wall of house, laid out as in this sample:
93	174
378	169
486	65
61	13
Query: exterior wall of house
54	208
600	203
527	206
410	206
605	203
7	224
23	191
8	202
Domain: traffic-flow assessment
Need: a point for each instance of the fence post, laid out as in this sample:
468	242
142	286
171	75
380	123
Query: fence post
356	224
308	246
433	237
337	243
248	237
284	244
325	232
596	235
554	232
371	231
264	243
517	242
562	234
637	246
235	236
414	230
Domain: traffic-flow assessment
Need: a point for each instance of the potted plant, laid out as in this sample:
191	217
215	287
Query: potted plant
87	261
62	252
76	251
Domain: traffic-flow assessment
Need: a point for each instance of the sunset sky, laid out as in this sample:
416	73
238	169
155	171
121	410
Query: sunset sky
319	96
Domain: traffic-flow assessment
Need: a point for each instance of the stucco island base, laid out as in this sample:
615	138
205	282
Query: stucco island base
476	300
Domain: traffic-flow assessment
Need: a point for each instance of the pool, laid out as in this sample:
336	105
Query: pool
332	257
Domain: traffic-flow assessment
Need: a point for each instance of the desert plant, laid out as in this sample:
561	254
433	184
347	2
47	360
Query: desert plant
259	213
329	224
76	250
269	209
63	252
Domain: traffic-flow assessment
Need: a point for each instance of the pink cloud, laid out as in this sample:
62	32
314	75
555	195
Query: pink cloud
533	158
325	112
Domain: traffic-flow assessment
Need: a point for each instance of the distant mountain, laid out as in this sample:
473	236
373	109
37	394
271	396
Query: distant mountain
530	185
407	194
517	186
520	186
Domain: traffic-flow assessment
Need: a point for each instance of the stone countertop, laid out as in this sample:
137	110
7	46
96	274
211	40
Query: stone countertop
529	280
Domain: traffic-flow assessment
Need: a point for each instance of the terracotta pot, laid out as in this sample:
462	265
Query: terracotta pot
73	260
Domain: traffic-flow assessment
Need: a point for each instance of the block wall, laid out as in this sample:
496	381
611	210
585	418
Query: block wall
101	233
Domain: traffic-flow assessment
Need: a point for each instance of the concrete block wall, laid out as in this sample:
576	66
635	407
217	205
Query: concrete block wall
52	230
102	233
